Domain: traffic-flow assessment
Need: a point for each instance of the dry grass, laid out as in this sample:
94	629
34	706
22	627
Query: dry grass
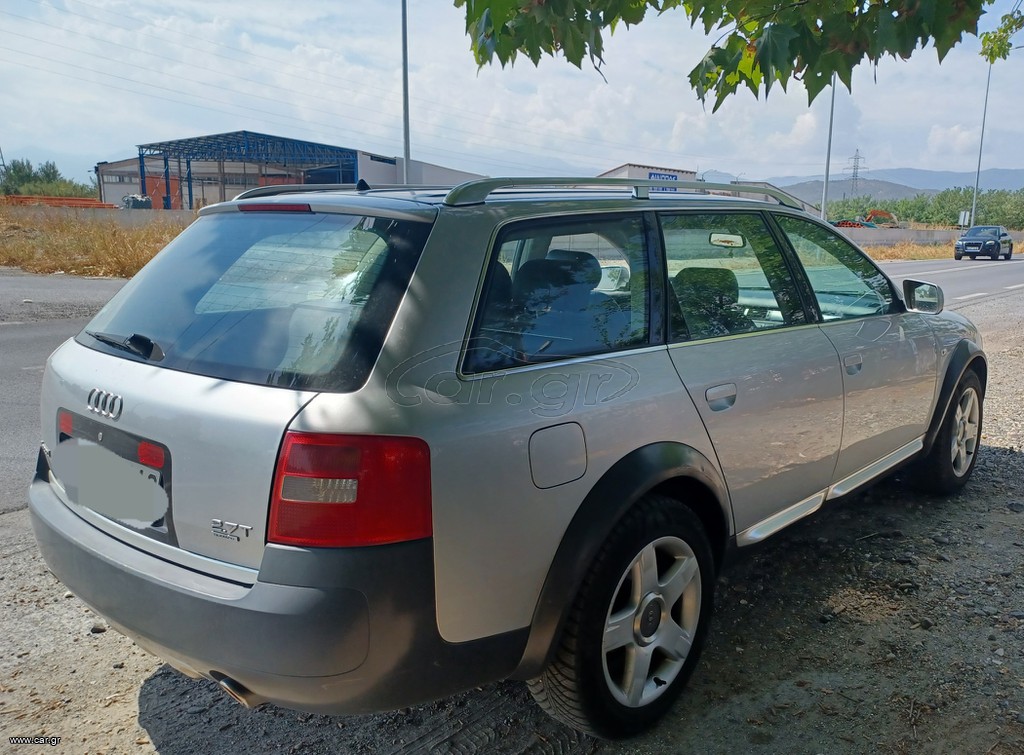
907	251
78	243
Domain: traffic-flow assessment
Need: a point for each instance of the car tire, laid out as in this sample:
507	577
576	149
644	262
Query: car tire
653	582
949	464
958	256
1009	252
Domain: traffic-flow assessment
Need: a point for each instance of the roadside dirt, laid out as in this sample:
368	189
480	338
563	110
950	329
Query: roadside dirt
891	622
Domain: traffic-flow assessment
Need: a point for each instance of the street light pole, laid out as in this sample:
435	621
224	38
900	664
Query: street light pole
981	141
828	152
981	144
405	92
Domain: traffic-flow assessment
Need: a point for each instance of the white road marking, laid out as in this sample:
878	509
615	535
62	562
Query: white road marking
1010	288
959	269
970	296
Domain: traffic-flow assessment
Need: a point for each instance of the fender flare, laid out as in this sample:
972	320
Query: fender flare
618	489
966	355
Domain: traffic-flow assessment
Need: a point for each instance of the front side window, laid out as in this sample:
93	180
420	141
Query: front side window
846	283
726	276
562	288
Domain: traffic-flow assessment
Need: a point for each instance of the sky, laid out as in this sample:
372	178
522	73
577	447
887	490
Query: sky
82	81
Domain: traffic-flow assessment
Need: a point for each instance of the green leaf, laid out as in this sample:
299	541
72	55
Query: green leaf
774	56
762	41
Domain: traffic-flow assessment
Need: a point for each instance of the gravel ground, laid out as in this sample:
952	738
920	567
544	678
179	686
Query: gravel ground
891	622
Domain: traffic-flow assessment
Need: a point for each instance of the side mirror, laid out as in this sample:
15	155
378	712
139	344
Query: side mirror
925	298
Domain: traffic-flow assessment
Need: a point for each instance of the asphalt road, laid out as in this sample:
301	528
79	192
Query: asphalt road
23	351
964	281
37	313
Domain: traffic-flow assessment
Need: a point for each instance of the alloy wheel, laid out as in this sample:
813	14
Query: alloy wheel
966	428
651	622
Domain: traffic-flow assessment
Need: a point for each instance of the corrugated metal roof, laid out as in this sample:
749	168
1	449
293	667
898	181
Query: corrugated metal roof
249	146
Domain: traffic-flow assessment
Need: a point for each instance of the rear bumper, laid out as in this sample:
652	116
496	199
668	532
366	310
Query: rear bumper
328	631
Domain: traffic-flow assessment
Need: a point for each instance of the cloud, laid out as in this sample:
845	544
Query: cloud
953	140
97	77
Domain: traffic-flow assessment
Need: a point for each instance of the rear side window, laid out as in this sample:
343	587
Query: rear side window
562	288
297	300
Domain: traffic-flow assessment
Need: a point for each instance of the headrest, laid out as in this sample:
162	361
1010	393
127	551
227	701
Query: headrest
584	265
551	284
716	283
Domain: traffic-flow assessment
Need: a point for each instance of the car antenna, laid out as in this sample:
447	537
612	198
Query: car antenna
362	185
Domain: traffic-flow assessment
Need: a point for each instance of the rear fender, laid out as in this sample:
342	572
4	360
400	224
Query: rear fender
673	466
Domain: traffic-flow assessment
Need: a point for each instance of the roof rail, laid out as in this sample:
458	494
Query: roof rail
475	192
270	191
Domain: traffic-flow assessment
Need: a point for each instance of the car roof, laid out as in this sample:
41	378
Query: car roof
502	190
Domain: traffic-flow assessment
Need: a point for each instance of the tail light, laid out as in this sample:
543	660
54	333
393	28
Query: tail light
336	491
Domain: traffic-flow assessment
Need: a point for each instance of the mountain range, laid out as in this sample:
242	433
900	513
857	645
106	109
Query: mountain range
810	191
913	178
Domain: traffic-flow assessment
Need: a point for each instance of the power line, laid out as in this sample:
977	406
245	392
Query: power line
306	128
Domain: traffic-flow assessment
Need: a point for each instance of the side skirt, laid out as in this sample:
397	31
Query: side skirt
782	519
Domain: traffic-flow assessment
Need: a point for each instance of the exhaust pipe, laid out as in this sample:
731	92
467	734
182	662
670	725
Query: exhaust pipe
239	693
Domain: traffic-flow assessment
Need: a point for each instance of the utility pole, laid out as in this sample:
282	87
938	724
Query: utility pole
3	165
828	153
981	141
855	171
405	92
981	145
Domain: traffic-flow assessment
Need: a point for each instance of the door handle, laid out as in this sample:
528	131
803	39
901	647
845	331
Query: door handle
853	363
721	397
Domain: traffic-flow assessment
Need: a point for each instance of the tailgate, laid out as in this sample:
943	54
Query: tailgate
177	464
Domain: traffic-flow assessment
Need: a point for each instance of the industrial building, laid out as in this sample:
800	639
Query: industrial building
196	171
650	172
193	172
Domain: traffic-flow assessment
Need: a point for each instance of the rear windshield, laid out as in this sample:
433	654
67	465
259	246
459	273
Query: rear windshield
294	300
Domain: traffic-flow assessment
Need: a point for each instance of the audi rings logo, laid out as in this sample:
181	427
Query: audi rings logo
104	404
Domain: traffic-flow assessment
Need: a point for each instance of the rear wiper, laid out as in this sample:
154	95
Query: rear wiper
137	344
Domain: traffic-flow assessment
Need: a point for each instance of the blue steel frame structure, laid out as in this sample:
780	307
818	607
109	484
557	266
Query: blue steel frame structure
247	147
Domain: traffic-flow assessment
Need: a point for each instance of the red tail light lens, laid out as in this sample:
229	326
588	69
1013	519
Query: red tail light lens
336	491
65	422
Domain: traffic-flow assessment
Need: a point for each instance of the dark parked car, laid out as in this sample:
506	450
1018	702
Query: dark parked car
988	240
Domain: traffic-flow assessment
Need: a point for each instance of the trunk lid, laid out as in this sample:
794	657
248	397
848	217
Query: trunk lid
204	502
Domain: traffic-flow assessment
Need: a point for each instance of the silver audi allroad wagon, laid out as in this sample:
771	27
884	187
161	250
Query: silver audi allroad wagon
347	450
